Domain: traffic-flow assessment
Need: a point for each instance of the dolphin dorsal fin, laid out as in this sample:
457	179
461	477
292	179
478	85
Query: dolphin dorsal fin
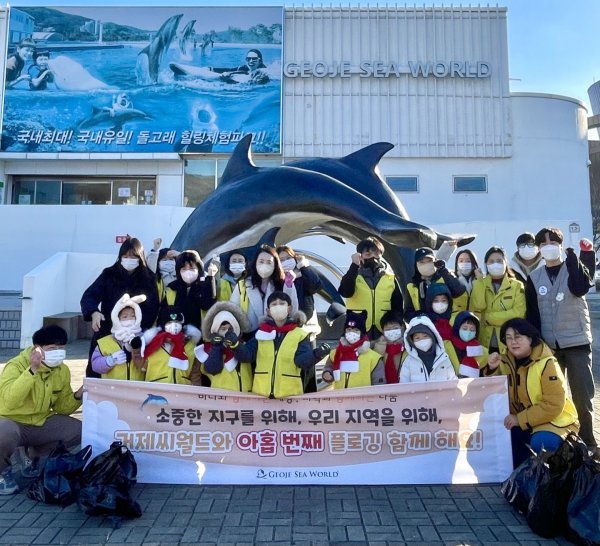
240	163
368	157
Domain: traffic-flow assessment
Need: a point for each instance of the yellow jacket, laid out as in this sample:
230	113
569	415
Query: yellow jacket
496	308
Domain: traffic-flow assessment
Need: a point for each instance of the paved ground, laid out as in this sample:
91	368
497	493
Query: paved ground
282	515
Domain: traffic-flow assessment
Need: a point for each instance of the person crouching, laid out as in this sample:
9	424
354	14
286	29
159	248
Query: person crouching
222	326
353	363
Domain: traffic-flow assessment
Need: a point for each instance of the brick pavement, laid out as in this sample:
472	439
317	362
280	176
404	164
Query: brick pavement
283	515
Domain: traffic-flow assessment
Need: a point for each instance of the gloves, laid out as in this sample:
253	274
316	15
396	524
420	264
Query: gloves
289	279
231	340
118	357
321	351
586	245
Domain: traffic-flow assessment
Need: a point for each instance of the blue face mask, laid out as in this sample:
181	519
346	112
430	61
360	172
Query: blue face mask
467	335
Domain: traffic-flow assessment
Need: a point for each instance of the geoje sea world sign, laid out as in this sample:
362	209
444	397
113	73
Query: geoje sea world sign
386	69
143	79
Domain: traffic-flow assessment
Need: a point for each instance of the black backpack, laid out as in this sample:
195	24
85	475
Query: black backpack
106	483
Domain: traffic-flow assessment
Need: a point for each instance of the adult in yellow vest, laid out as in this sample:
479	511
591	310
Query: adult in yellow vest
428	271
541	412
114	357
496	298
215	363
233	272
353	363
370	285
281	350
466	270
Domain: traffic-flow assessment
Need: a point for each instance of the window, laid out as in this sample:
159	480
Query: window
403	183
83	191
468	184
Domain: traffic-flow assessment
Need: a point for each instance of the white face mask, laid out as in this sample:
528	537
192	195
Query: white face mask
288	264
550	252
465	269
352	337
173	328
496	269
427	269
528	253
423	344
392	335
54	358
189	275
166	266
128	323
278	312
265	270
439	307
237	269
129	264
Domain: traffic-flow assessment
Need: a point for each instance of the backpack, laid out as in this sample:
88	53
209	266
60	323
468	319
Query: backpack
106	484
59	481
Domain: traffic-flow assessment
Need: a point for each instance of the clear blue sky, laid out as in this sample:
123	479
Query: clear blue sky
552	43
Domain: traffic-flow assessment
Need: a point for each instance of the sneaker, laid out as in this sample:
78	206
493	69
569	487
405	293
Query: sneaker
31	467
8	486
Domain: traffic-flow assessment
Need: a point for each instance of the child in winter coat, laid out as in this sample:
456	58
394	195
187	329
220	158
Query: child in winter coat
426	358
281	350
353	363
390	345
223	325
114	357
169	348
467	354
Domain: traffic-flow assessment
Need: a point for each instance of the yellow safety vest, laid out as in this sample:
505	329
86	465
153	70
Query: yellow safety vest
367	362
568	414
159	371
239	380
375	301
108	345
276	375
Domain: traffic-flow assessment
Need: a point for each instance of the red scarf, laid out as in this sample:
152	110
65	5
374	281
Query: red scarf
442	325
177	341
391	373
346	353
270	327
462	346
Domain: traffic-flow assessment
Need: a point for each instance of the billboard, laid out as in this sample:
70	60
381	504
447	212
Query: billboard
431	432
143	79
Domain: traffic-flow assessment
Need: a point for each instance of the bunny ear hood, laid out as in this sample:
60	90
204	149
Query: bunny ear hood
127	301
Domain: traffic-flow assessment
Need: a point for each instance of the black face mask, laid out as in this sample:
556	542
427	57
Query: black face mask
372	263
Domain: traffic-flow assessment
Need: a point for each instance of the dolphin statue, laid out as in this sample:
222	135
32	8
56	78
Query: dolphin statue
187	33
149	58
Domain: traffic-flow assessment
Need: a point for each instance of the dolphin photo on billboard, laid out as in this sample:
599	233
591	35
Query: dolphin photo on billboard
138	79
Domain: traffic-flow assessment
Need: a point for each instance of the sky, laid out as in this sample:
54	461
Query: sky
551	43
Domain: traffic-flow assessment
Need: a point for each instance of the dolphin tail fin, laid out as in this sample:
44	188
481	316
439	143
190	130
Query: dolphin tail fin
240	163
368	157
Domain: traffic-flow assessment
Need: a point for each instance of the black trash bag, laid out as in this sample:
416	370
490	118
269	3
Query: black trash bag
583	511
547	510
520	486
59	481
106	483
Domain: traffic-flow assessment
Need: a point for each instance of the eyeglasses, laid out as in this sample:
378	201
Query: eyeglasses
252	58
528	245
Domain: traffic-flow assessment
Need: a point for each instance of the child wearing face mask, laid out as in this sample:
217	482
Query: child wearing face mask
223	325
234	272
467	354
265	276
428	272
281	350
168	349
466	270
193	291
497	298
390	345
114	357
353	363
426	359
